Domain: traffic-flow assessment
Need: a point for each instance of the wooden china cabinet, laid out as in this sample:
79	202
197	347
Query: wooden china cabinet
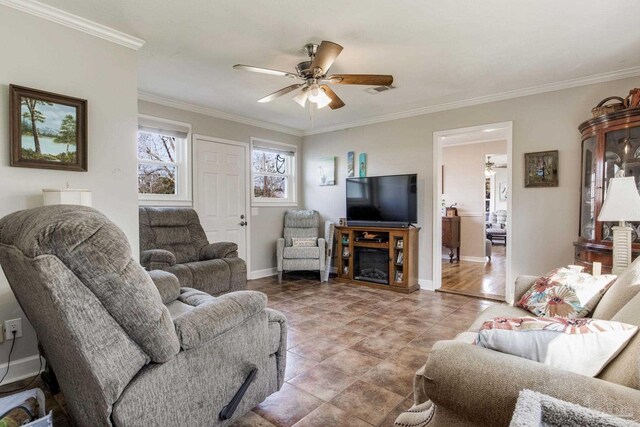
610	148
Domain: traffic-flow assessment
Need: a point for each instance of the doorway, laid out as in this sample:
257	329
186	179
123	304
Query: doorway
473	176
220	194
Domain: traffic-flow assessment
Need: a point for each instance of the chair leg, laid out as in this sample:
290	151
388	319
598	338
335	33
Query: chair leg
321	276
279	277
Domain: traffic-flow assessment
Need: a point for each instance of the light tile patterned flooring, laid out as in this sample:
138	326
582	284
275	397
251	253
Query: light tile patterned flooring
352	351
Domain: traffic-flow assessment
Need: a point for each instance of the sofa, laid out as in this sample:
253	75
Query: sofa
474	386
129	350
172	239
301	223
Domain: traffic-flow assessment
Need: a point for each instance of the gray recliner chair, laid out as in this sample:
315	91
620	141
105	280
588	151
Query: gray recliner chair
301	224
172	239
126	352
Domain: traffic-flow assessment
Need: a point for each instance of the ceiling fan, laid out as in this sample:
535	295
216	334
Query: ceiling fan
313	73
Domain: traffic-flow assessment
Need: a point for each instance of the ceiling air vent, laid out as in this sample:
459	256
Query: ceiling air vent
378	89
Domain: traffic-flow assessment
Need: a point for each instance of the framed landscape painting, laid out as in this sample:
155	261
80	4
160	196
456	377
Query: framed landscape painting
48	131
541	169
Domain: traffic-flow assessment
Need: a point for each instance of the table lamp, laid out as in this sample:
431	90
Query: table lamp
622	203
67	196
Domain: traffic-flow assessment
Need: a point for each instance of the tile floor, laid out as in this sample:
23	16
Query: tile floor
352	351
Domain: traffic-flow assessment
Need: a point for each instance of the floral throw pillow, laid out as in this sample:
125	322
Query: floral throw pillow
565	292
583	346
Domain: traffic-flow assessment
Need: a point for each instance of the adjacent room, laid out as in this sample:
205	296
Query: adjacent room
350	214
474	191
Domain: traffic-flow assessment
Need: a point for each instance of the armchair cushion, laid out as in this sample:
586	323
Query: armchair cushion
219	250
212	317
167	285
155	259
301	252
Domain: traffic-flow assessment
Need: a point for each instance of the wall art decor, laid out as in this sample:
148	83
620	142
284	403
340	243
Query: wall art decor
502	191
351	164
541	169
327	171
362	165
48	130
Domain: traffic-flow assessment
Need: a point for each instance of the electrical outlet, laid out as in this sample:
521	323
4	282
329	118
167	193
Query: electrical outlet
13	325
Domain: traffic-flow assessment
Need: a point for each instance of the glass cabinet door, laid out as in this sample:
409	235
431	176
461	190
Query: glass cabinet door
587	211
622	158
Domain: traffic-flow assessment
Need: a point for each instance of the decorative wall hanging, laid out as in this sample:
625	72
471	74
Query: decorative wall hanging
327	171
48	131
362	165
351	164
541	169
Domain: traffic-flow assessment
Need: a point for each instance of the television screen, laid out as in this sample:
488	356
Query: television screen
382	199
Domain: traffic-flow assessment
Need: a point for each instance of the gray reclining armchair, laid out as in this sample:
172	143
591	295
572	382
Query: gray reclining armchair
172	239
127	352
301	224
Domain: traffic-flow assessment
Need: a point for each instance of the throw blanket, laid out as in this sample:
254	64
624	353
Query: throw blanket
539	410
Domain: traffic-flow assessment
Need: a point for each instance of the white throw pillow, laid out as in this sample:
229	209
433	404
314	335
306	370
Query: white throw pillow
583	346
304	241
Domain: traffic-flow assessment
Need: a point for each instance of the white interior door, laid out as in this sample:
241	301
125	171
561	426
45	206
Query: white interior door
220	190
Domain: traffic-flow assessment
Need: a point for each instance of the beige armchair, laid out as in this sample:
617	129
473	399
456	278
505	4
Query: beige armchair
291	257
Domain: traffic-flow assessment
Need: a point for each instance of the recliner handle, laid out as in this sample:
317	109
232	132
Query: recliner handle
227	411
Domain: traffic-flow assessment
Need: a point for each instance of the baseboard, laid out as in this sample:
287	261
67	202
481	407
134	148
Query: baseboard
474	258
259	274
21	369
426	284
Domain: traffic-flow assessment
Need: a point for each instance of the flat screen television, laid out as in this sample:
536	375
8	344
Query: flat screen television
384	201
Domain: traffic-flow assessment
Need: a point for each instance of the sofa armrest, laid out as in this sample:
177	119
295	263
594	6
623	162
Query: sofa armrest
483	385
167	284
157	259
280	252
281	355
212	317
219	250
523	284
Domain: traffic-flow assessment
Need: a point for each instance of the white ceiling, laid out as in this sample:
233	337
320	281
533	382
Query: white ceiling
439	52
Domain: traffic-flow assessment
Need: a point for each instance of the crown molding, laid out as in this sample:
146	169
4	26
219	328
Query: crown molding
67	19
167	102
549	87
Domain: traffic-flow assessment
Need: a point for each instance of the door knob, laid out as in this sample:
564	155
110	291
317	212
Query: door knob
243	223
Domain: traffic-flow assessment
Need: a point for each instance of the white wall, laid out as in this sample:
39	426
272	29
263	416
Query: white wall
545	220
267	226
464	184
43	55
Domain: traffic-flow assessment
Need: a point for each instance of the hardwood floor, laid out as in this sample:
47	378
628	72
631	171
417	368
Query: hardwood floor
485	280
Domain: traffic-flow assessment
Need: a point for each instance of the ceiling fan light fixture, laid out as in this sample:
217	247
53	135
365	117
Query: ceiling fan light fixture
314	92
301	98
323	99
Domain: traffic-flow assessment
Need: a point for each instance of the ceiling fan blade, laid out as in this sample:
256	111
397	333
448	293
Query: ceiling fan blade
361	79
280	92
264	70
336	102
325	56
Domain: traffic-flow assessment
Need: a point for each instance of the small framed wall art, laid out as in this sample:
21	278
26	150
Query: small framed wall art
327	171
351	164
362	165
48	131
541	169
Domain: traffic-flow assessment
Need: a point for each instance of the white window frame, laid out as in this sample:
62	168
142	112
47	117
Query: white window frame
292	175
183	196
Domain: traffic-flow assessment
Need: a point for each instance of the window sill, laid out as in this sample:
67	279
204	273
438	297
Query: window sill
274	204
158	202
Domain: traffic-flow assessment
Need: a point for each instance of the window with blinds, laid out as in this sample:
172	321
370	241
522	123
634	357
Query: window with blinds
163	162
273	173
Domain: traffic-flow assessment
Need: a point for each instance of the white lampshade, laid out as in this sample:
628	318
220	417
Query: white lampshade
301	98
622	202
67	196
